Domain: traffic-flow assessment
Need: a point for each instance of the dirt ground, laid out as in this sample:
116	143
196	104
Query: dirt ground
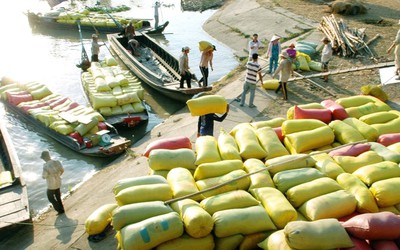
381	18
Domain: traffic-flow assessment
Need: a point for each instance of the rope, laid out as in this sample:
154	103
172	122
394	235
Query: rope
258	171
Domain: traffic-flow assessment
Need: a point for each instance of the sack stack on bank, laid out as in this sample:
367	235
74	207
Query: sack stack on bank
327	176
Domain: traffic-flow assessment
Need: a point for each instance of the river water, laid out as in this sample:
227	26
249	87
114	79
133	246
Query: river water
50	57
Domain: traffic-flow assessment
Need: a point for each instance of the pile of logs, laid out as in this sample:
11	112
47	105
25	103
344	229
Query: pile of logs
346	42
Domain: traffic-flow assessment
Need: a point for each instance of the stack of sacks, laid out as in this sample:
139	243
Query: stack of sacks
383	180
321	234
274	123
208	175
112	90
312	105
327	165
299	132
303	60
357	106
374	230
385	122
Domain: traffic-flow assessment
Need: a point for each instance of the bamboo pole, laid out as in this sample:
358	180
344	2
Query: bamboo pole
258	171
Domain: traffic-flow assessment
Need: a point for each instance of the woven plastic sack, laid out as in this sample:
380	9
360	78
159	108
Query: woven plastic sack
384	152
273	123
187	242
365	200
227	146
311	139
324	115
367	131
261	178
167	159
135	181
388	139
277	240
207	104
386	192
271	143
288	162
142	193
287	179
99	219
345	133
229	242
338	112
352	163
374	90
206	150
293	126
182	183
216	169
377	172
197	222
327	165
248	144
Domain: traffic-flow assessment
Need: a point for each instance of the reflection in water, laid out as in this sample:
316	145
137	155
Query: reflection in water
50	56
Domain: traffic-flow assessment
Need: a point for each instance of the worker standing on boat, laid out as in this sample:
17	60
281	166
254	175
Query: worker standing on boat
52	171
184	68
156	6
95	48
206	59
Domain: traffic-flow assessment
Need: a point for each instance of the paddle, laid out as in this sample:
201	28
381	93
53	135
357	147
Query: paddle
85	63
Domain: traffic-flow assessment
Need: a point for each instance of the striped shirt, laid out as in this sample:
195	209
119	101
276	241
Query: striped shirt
253	68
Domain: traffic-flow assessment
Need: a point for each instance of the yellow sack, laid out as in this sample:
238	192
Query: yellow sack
378	117
240	126
246	220
301	193
142	193
390	127
365	200
345	133
206	150
386	192
327	165
250	241
127	98
242	183
287	179
321	234
287	162
299	125
272	84
332	205
227	146
384	152
151	232
136	212
182	183
228	200
273	123
352	163
229	242
358	100
98	220
167	159
249	147
261	179
204	46
40	93
215	169
103	100
277	240
207	104
303	63
136	181
367	131
197	222
374	90
395	147
269	140
187	242
377	172
311	139
276	205
110	61
315	66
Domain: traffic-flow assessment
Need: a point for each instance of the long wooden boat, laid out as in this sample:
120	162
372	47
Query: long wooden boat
115	93
89	23
155	66
14	205
80	128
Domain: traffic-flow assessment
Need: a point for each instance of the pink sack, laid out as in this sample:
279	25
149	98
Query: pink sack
359	244
338	112
278	132
324	115
383	245
389	139
351	150
374	226
168	143
17	98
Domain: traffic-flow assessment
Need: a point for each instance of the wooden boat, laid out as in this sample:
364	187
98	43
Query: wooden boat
155	66
14	205
78	127
121	101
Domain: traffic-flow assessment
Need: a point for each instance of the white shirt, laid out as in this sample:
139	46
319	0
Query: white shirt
255	45
327	52
52	171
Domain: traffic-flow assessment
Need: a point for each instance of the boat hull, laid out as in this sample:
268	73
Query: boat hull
14	205
163	58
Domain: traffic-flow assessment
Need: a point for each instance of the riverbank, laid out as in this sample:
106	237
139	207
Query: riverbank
231	25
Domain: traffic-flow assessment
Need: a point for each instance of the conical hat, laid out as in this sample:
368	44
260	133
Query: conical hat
275	37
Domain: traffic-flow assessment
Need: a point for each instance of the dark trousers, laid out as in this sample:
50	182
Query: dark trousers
95	58
188	79
282	85
54	196
204	73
